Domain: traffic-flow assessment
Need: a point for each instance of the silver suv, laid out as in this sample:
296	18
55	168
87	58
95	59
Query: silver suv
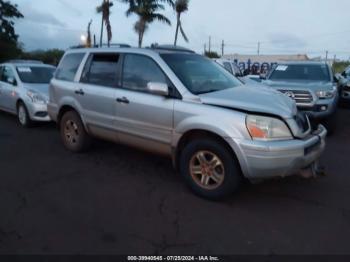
24	88
312	85
180	104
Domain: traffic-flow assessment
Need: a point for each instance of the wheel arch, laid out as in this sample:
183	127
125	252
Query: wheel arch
64	109
190	135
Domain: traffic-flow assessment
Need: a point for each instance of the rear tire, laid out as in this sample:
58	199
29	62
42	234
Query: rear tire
23	115
73	133
210	169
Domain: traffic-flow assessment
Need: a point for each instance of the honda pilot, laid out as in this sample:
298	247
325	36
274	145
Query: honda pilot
185	106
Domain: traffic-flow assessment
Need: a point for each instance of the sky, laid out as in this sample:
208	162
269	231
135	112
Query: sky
281	26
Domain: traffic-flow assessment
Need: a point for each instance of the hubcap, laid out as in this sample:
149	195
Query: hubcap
22	115
207	170
71	132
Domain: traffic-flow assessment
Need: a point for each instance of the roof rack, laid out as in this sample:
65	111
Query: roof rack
21	61
171	48
121	45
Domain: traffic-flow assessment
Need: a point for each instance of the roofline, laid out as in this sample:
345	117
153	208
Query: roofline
146	50
290	62
28	64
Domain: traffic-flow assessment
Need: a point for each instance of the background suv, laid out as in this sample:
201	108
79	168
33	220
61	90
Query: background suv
24	87
185	106
311	85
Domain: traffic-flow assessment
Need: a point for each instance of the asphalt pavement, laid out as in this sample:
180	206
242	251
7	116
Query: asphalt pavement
118	200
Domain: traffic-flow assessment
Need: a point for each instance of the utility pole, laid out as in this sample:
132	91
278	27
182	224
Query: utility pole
222	48
327	56
209	44
258	48
334	59
205	48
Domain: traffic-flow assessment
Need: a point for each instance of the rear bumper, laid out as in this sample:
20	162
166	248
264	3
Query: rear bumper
260	159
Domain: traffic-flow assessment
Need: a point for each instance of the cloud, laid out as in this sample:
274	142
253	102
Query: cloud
70	8
286	40
36	16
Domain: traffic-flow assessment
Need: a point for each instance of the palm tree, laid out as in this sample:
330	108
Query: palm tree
147	12
105	9
88	40
181	6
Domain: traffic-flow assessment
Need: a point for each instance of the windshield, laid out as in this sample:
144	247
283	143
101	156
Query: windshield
301	72
199	74
35	74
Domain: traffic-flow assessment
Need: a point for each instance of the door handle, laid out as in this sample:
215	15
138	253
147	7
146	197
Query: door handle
80	92
123	100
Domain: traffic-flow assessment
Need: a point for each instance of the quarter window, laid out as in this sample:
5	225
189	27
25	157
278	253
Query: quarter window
139	71
103	70
7	73
69	66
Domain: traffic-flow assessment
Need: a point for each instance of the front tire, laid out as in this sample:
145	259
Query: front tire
73	133
23	115
210	169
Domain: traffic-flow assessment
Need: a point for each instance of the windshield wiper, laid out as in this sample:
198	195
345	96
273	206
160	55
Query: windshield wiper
208	91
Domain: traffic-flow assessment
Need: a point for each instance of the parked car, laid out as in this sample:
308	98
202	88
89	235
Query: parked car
230	66
183	105
345	93
24	87
344	86
311	85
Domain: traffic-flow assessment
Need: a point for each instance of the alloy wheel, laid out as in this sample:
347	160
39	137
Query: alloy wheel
22	115
71	132
207	170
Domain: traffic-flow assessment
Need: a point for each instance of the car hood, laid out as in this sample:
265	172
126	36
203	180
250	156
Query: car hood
255	99
297	85
43	89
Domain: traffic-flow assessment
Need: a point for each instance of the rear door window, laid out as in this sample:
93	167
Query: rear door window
102	69
69	66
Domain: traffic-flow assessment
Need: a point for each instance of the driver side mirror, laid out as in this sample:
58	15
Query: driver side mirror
158	88
11	81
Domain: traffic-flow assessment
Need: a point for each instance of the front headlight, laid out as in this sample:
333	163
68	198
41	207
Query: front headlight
327	94
267	128
36	98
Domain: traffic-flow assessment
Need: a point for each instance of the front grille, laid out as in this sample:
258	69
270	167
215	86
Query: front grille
301	97
302	121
